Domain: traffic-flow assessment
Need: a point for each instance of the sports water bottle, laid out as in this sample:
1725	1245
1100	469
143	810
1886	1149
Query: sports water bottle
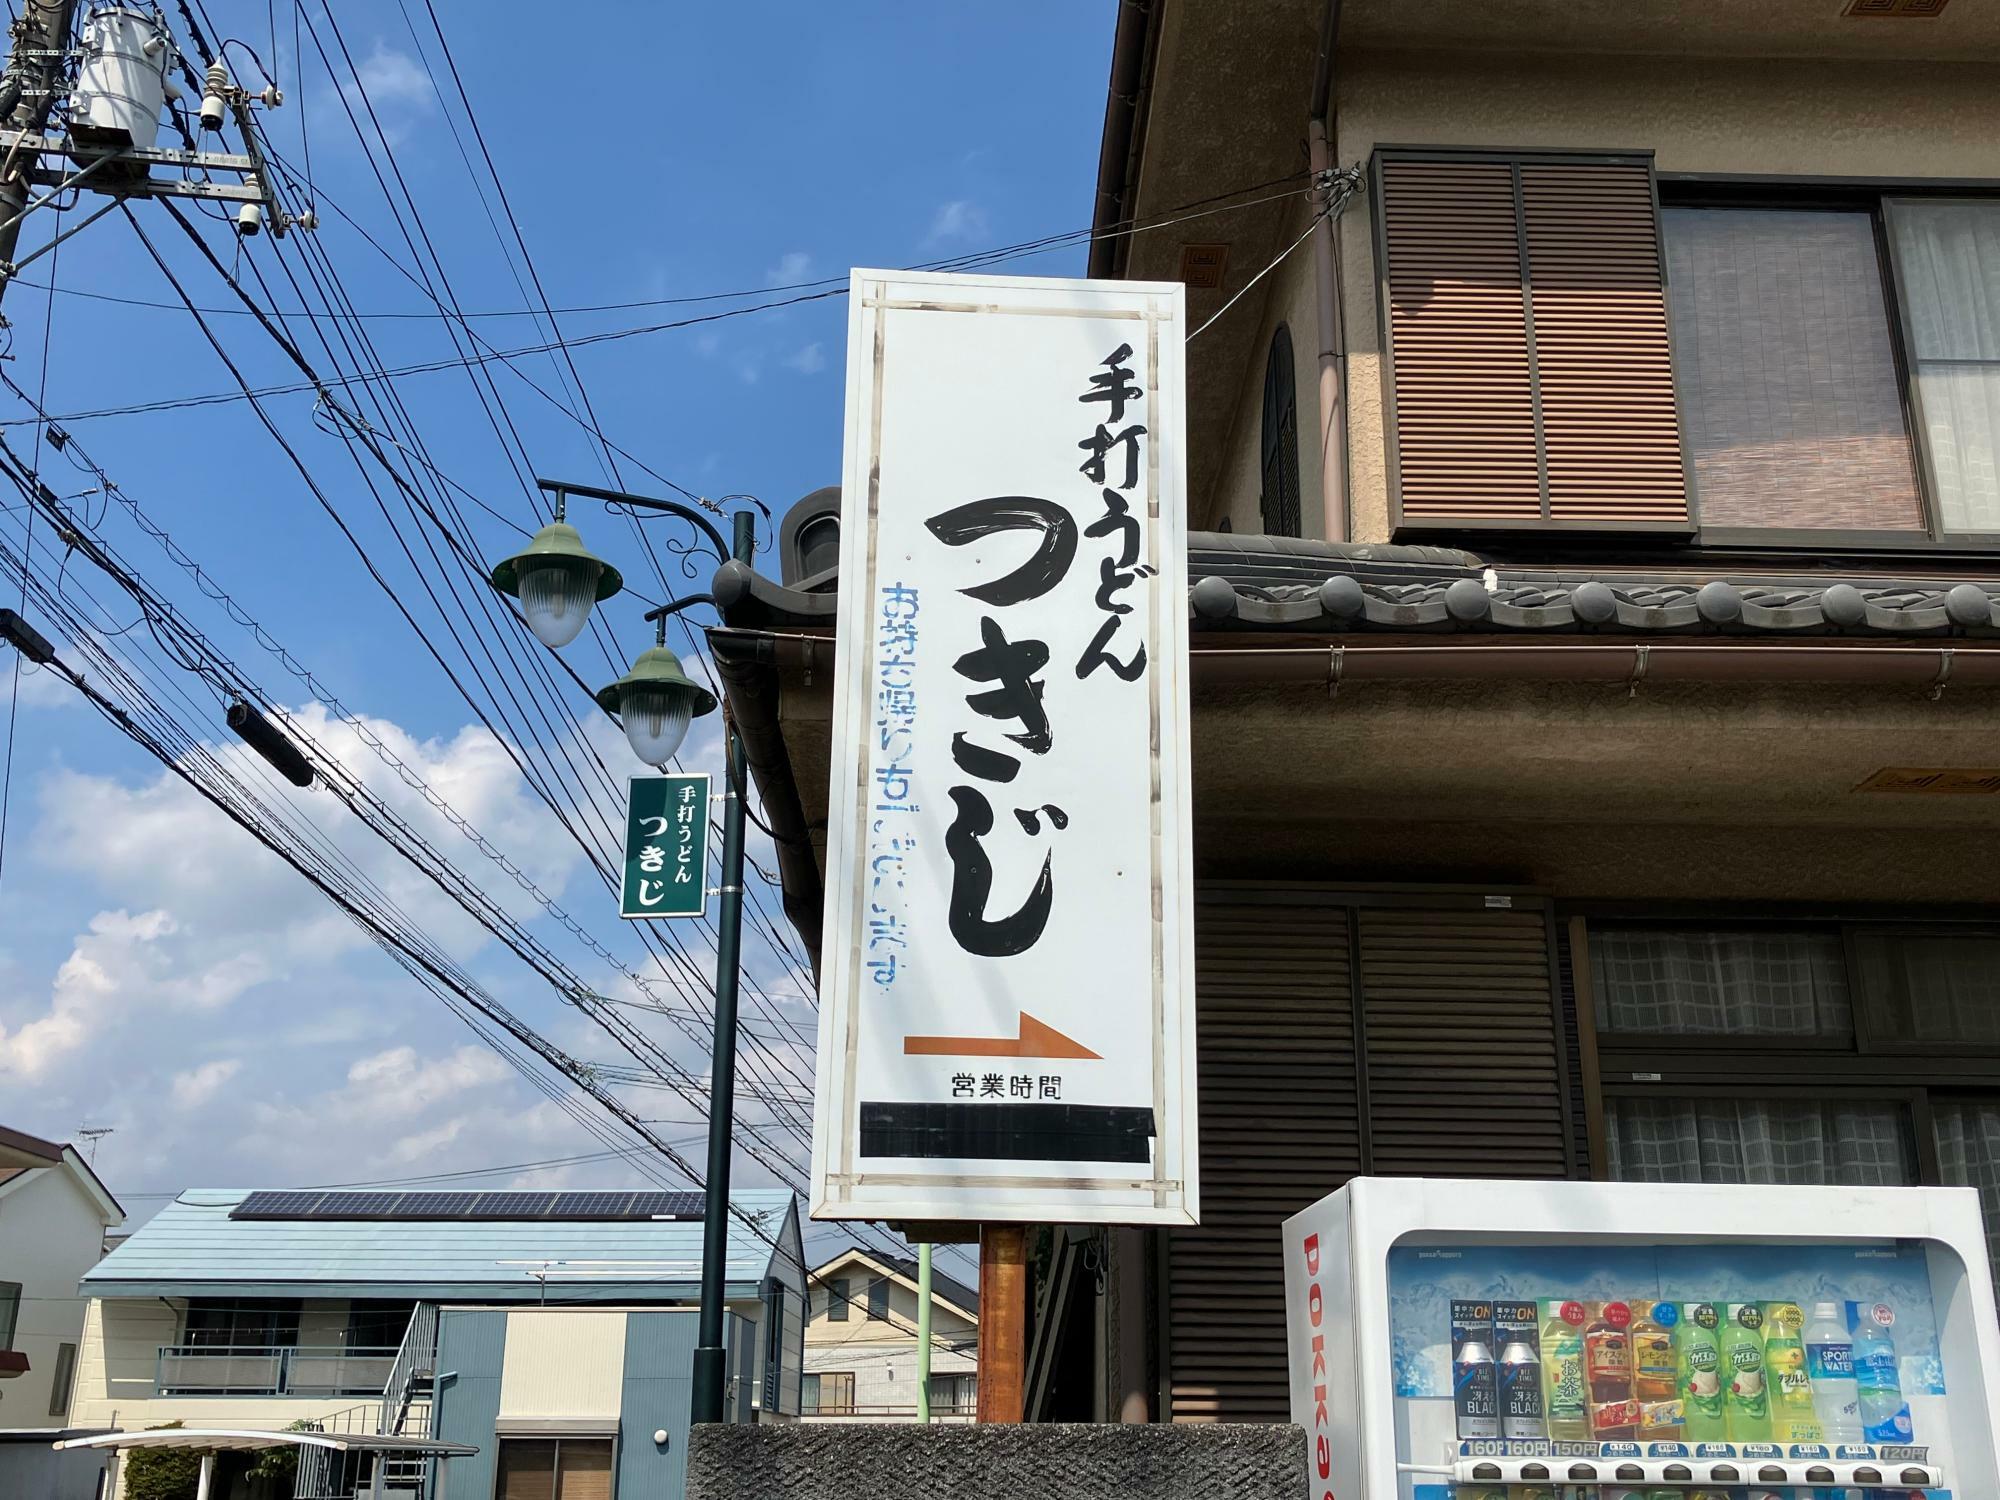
1885	1417
1830	1363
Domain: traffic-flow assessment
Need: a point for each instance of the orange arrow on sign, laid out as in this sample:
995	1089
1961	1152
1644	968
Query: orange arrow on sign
1035	1040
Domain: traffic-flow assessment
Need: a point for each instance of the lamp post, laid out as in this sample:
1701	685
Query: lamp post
557	579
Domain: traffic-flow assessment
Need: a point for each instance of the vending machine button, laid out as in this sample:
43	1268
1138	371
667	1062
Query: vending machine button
1489	1471
1867	1476
1724	1474
1916	1477
1531	1471
1583	1473
1771	1474
1678	1474
1630	1471
1819	1474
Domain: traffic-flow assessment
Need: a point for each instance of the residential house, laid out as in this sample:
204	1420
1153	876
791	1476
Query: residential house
53	1221
553	1331
862	1343
1594	508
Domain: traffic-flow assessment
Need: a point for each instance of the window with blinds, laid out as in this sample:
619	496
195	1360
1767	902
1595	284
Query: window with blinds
1530	374
554	1469
1788	371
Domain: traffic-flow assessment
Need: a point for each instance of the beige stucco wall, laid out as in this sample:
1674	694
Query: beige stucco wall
1767	117
1239	483
51	1232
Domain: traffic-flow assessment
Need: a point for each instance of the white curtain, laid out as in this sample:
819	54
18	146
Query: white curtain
1968	1146
1662	982
1945	989
1948	252
1727	1140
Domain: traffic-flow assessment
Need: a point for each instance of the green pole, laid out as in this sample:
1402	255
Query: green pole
923	1332
706	1403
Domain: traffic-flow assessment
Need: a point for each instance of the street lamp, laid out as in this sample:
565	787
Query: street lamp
558	579
655	700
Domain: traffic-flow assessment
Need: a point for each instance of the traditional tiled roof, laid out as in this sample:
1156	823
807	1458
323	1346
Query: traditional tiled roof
1262	583
1507	601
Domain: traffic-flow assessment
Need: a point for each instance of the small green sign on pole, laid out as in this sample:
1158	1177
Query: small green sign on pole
666	847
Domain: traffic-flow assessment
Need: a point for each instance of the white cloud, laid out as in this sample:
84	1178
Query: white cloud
40	687
399	1082
792	267
958	222
807	361
749	366
235	1029
122	966
197	1086
394	84
394	77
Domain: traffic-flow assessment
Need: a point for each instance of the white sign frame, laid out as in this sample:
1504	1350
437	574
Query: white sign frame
960	388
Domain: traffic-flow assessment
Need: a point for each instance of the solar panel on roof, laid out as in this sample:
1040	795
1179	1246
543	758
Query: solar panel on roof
572	1206
509	1206
589	1205
352	1205
671	1205
275	1205
435	1205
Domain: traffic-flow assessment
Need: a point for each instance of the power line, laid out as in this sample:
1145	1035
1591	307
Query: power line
488	355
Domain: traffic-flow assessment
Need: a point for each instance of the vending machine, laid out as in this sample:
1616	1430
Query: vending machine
1487	1340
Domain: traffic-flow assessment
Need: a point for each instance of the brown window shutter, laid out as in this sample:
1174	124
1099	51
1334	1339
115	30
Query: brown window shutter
1530	365
1610	432
1280	1129
1458	327
1465	1069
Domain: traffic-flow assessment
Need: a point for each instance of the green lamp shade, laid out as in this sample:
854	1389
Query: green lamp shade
557	579
656	701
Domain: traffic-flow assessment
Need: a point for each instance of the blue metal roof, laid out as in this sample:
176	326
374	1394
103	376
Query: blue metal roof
194	1248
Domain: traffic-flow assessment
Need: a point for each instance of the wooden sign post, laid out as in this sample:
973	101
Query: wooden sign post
1003	1322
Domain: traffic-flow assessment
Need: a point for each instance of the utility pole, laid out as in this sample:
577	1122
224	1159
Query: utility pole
27	94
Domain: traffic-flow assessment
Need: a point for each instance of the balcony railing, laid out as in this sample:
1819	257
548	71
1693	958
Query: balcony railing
940	1410
271	1370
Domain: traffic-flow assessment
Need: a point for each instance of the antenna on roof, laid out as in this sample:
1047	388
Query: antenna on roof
92	1134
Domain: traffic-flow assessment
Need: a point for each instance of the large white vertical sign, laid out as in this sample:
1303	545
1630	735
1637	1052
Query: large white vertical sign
1006	986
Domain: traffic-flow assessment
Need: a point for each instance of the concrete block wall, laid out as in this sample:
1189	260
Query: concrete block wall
1055	1461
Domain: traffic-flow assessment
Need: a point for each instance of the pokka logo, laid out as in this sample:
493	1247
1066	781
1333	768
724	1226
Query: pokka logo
1322	1449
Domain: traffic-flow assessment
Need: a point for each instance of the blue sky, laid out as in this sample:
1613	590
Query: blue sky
161	976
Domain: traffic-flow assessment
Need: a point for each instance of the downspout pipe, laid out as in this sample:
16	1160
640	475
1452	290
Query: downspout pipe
747	665
1332	345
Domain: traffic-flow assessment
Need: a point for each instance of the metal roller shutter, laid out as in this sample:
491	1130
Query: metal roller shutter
1280	1127
1458	1068
1527	325
1466	1075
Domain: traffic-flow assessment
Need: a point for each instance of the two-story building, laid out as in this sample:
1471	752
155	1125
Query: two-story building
54	1216
552	1332
863	1339
1594	507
